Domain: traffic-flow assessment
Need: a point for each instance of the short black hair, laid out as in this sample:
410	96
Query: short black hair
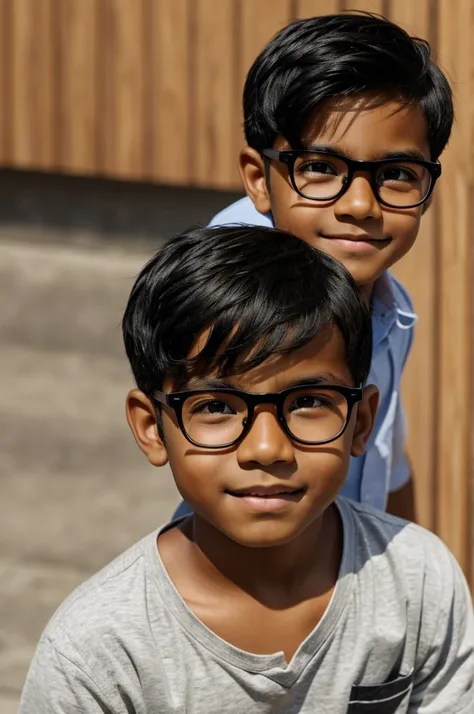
322	58
257	301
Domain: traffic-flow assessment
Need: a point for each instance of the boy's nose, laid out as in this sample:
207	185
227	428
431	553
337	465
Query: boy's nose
359	201
266	443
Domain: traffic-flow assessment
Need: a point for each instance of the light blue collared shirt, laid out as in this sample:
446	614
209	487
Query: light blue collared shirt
384	467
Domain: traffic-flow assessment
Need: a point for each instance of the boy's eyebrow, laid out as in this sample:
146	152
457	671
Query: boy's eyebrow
208	383
402	154
213	383
320	378
406	154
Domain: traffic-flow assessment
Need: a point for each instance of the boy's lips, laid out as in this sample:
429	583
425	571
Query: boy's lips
264	491
267	498
354	237
357	242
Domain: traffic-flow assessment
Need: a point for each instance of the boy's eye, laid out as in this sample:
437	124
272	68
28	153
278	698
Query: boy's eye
316	167
212	406
309	401
397	173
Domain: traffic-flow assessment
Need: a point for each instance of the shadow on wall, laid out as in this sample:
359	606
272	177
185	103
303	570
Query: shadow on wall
83	210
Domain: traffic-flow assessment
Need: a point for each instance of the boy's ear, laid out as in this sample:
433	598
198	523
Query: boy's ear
366	412
141	418
253	175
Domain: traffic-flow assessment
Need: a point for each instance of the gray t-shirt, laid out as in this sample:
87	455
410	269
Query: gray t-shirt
398	636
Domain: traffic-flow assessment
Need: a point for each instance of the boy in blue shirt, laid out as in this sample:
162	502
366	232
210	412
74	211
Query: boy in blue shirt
345	118
276	595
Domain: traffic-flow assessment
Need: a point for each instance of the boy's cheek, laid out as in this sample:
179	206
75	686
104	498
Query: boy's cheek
202	477
311	223
197	473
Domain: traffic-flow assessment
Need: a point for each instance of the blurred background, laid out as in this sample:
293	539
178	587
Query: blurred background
120	124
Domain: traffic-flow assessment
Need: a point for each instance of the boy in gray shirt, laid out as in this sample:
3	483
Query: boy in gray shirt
276	595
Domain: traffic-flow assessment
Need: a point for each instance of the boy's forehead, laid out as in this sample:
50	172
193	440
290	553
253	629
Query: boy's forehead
367	128
323	357
325	354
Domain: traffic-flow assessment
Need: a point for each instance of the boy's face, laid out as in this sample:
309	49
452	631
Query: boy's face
214	483
364	235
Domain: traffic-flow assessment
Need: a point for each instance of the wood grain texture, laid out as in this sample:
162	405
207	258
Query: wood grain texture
5	82
31	83
215	111
21	83
418	273
124	87
311	8
79	56
44	89
172	130
377	6
253	36
456	289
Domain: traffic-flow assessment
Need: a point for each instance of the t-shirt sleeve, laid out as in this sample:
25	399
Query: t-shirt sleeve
57	685
444	680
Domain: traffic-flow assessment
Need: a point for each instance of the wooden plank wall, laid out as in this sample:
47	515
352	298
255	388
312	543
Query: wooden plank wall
150	90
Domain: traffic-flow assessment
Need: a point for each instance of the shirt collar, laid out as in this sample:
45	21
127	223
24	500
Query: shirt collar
387	311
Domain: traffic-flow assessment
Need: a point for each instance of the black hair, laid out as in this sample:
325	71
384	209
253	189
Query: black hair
257	301
322	58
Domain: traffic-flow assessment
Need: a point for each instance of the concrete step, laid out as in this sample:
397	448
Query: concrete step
75	488
8	703
58	297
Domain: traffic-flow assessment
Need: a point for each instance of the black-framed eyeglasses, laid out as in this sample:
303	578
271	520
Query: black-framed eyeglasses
215	419
324	175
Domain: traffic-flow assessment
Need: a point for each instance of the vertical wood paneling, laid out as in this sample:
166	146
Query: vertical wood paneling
455	285
77	94
23	38
417	272
311	8
254	34
31	84
5	84
125	66
365	5
173	133
416	18
215	112
29	79
43	89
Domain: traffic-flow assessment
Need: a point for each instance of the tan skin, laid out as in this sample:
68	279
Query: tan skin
261	581
365	131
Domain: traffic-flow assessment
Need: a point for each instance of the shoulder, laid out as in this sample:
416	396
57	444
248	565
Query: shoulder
241	211
105	604
99	637
409	565
410	550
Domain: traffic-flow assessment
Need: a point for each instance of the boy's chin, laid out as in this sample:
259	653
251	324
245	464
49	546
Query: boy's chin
365	274
264	533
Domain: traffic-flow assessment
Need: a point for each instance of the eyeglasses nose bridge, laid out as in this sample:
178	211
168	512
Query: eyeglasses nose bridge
259	400
276	414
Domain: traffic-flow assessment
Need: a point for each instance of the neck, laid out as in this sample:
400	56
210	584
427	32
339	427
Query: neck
367	290
272	575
